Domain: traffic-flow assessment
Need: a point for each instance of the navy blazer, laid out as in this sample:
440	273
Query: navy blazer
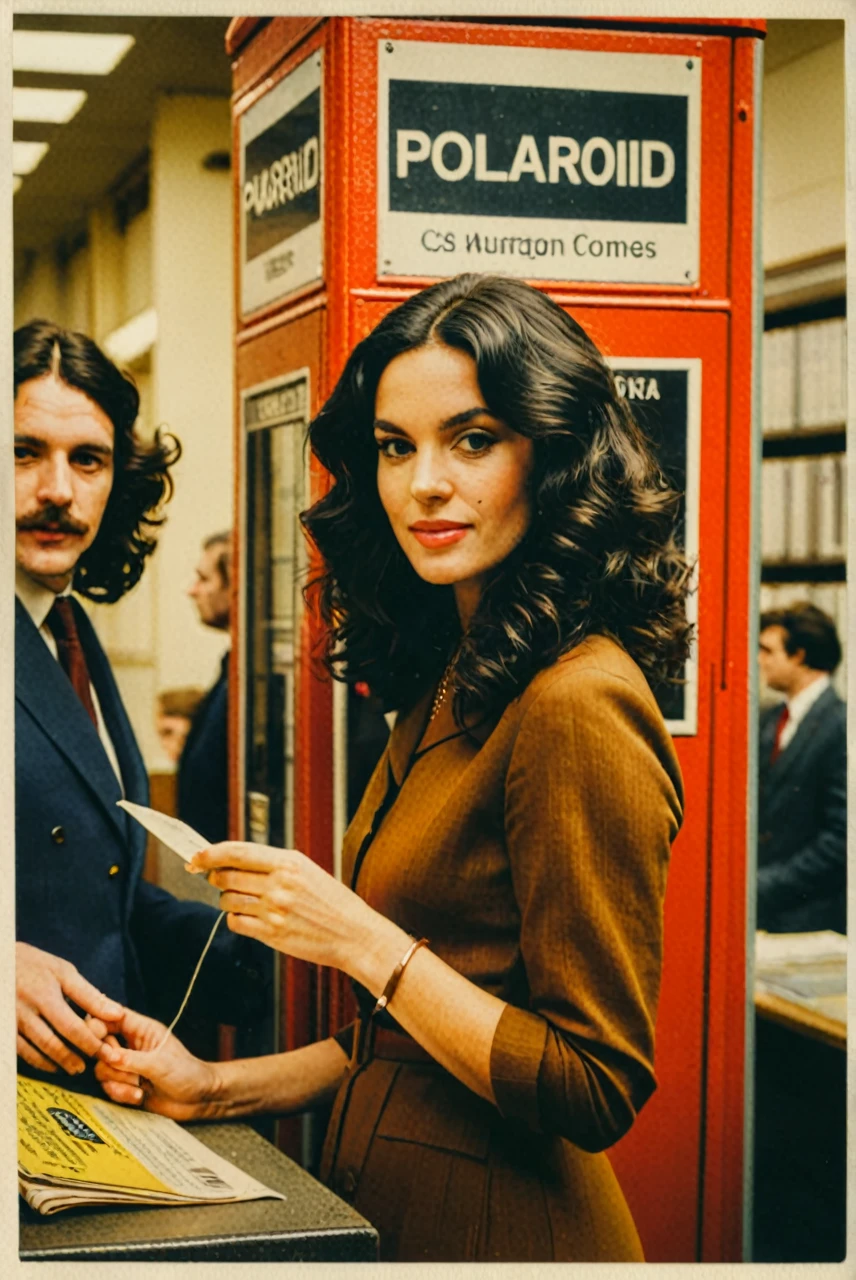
203	770
802	821
79	858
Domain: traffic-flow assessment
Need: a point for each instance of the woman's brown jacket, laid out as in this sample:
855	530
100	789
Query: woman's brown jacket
533	856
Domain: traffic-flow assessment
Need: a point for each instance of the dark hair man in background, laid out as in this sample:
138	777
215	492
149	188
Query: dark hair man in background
203	769
802	814
90	931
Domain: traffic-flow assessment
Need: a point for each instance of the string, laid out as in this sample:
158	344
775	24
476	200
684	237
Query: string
171	1026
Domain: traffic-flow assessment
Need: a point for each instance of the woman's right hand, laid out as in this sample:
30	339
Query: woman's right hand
168	1080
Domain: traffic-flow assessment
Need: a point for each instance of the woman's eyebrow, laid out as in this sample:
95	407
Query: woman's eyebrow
380	424
457	420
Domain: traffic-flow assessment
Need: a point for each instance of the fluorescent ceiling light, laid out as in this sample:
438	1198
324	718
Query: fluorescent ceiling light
26	155
70	52
16	183
133	339
46	106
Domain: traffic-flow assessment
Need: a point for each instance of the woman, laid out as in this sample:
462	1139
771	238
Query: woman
501	571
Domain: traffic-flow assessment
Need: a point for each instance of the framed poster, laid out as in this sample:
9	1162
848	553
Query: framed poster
281	180
553	164
664	395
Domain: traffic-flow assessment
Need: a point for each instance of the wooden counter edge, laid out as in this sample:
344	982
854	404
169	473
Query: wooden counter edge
801	1019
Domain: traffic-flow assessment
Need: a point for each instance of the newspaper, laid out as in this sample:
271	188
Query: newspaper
772	949
77	1150
176	835
809	969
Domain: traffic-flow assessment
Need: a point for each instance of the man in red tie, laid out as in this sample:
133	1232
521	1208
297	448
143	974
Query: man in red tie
802	800
92	936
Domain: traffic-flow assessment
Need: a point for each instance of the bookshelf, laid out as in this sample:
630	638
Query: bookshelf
804	467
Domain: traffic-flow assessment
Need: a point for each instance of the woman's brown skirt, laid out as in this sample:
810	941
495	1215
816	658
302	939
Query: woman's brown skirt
444	1178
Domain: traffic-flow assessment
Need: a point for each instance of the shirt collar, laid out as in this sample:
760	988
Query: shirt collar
803	701
35	598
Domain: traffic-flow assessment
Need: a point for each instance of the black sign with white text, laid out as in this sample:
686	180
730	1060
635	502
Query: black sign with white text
524	151
659	400
281	171
281	185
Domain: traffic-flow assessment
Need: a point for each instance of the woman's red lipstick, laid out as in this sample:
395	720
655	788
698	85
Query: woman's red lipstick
438	533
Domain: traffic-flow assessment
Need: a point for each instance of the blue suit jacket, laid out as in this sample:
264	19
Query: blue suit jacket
802	821
203	770
79	858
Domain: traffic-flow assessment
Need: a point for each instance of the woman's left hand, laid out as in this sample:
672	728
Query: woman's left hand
290	903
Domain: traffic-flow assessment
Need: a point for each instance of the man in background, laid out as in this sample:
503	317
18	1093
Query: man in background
802	802
92	935
203	769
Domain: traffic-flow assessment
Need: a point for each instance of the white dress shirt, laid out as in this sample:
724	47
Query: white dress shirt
800	705
38	601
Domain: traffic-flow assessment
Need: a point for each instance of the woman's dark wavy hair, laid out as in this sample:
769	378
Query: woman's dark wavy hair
599	557
114	562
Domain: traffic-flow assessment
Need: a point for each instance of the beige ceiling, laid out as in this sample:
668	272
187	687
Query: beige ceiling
111	130
789	38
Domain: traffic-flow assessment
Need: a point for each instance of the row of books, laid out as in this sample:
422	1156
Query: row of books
804	508
831	597
804	376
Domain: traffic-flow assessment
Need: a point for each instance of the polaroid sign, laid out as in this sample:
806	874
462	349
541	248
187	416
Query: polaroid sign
551	163
281	245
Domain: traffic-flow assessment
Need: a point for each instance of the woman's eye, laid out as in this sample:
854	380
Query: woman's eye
477	441
393	447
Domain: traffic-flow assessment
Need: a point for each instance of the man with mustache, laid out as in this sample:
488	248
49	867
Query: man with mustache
92	936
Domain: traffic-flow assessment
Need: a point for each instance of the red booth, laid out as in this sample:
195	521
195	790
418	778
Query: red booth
612	164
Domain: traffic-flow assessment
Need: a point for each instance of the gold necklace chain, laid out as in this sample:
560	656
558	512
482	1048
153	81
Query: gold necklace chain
442	689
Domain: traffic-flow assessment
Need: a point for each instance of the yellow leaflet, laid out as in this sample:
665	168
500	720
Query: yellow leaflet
53	1124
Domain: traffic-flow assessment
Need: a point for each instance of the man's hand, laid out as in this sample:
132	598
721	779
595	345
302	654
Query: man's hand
45	984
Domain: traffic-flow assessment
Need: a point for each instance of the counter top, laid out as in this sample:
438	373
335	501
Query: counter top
310	1225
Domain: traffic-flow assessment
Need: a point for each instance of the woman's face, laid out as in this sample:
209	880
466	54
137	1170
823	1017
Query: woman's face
452	478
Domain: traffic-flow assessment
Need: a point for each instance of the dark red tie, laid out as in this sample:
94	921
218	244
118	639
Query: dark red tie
63	627
784	716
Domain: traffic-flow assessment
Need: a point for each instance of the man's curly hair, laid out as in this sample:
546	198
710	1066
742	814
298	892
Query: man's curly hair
599	557
114	562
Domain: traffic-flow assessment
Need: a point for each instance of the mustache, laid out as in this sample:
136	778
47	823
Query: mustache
52	520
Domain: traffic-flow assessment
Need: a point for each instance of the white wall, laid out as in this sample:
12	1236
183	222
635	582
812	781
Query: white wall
804	155
192	377
137	291
40	297
77	290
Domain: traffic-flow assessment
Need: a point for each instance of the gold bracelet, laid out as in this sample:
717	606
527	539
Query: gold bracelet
389	989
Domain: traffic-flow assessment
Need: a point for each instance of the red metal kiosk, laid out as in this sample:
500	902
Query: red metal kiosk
611	163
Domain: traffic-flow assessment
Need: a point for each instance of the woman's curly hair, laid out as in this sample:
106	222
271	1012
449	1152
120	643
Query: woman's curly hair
114	561
599	557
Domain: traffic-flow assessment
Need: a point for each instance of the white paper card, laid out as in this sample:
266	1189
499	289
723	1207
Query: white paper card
176	835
